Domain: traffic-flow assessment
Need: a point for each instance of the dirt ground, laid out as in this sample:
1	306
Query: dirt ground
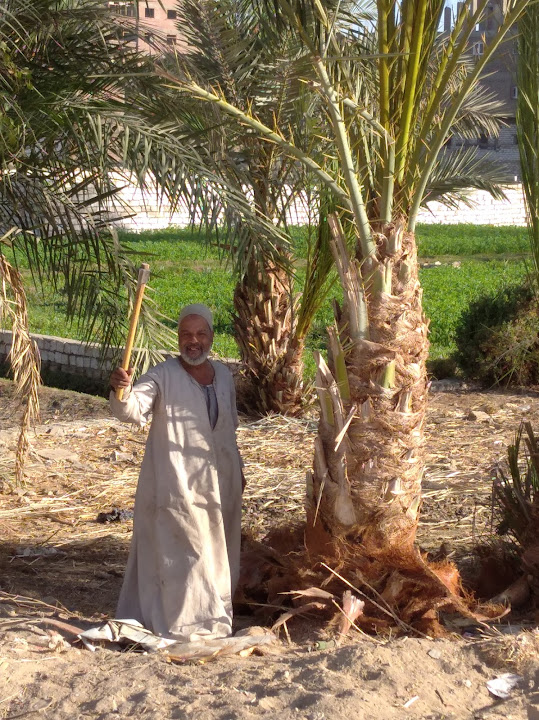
56	560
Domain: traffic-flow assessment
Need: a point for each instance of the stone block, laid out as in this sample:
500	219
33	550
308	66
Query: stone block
92	351
73	347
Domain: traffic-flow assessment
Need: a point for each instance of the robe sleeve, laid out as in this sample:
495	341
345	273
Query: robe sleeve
137	402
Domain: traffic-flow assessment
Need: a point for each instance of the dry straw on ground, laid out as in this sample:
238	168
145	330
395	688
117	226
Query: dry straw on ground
516	652
82	463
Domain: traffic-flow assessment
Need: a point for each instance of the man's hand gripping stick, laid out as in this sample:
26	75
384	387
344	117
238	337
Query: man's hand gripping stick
143	277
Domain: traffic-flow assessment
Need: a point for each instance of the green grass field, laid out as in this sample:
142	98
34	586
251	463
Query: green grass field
479	241
185	269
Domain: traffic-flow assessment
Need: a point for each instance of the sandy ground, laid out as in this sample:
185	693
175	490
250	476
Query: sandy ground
83	462
365	680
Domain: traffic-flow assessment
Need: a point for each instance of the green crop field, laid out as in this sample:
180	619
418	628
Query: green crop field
476	260
481	241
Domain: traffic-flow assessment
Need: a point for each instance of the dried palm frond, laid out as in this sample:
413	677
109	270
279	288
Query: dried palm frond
24	354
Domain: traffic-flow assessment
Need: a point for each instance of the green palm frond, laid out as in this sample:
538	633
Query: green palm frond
235	55
480	114
515	487
320	274
462	170
83	112
420	85
527	120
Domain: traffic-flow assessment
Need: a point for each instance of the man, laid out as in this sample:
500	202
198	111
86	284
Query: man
183	563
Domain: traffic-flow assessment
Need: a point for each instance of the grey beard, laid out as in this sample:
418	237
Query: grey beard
193	362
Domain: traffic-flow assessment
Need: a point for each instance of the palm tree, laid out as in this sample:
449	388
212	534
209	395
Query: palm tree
229	48
266	74
388	114
80	108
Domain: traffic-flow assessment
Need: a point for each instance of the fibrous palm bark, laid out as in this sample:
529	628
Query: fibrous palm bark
265	323
369	454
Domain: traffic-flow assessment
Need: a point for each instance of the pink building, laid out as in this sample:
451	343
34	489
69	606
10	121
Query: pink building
156	20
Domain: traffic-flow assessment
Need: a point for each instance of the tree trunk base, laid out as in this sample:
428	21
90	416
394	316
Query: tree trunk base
403	592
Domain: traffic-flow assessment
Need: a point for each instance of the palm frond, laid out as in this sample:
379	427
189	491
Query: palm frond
320	274
480	114
462	170
84	109
24	354
527	120
515	488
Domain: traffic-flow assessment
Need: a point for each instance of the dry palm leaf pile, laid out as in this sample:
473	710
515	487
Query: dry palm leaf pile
83	463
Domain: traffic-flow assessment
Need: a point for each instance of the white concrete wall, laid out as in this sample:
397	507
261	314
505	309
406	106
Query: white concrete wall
64	355
486	210
150	215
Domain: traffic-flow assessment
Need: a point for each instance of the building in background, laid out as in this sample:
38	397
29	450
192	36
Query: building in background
500	79
157	24
156	21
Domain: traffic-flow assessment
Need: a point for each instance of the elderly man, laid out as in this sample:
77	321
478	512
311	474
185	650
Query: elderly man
184	559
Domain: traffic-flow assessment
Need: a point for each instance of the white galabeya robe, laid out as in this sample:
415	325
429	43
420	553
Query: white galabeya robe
184	559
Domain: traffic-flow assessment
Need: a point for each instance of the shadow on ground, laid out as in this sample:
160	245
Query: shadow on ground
83	577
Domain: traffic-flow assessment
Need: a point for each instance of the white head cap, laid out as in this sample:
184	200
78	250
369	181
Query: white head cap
197	309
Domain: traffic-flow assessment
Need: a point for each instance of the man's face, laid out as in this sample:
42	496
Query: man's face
194	339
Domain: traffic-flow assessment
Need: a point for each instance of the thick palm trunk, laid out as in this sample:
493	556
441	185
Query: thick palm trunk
265	324
368	466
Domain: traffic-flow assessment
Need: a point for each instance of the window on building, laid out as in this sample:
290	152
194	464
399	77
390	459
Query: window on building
130	11
514	92
171	14
149	12
171	39
490	18
478	48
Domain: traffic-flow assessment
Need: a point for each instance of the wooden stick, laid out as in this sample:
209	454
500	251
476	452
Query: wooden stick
143	277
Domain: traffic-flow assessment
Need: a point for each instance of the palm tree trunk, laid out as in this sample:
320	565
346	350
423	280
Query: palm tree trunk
265	324
369	454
